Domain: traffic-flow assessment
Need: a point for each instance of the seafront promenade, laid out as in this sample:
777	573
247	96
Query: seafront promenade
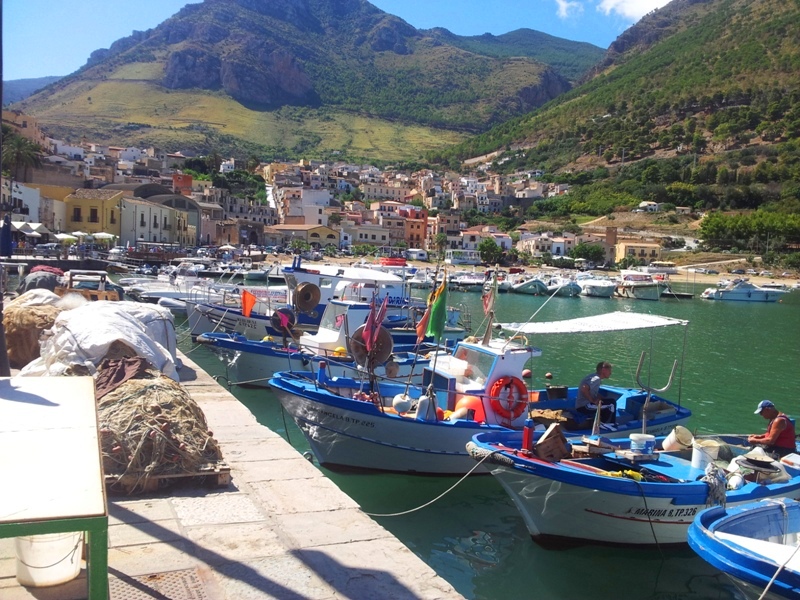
280	529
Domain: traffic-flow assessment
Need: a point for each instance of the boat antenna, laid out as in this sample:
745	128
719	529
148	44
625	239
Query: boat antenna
649	389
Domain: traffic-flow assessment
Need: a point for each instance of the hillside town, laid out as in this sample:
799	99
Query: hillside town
141	196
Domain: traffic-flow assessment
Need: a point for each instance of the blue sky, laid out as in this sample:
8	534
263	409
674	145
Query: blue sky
55	37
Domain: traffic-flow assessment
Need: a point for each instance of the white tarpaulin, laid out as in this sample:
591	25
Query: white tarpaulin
615	321
84	335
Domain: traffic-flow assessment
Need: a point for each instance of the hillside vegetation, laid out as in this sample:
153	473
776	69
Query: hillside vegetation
283	78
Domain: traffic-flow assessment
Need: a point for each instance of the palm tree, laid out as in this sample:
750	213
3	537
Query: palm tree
19	153
213	161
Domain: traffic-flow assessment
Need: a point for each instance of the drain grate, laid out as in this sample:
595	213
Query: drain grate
174	585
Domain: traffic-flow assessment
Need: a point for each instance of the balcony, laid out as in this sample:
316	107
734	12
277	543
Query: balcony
94	219
76	219
167	227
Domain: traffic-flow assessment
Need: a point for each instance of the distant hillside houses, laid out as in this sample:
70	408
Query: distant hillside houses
143	195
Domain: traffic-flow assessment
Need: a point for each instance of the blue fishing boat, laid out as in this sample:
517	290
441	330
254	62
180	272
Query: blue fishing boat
617	495
755	544
370	423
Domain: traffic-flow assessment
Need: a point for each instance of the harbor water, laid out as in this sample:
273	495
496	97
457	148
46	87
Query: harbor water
731	355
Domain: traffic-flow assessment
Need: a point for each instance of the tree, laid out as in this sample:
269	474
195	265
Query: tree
19	155
591	252
490	252
213	161
440	242
335	219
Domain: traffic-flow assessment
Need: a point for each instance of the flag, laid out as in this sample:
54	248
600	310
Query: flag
370	326
379	317
248	302
422	326
489	296
438	310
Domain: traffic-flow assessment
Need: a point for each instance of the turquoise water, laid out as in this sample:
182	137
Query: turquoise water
735	355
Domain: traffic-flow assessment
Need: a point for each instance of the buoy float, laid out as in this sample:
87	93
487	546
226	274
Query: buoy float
548	375
526	373
471	403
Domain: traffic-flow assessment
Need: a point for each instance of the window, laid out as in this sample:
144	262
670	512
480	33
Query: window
142	222
155	221
93	218
113	218
76	214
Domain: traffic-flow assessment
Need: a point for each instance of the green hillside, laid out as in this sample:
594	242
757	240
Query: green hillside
286	78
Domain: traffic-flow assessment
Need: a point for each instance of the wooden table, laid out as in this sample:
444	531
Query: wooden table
51	467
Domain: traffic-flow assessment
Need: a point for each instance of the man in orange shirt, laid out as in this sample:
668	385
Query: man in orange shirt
780	435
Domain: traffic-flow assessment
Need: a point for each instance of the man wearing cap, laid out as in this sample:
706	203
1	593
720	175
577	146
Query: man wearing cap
779	439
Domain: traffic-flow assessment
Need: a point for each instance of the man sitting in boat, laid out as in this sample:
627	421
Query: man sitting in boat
780	435
589	399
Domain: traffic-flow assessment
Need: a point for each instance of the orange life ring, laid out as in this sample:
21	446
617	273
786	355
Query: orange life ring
508	407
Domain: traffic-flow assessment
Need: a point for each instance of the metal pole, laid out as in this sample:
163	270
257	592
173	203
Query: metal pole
5	368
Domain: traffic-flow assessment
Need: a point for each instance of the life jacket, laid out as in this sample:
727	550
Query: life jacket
786	439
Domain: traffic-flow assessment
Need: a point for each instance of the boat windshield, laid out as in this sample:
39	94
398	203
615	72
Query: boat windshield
334	317
480	363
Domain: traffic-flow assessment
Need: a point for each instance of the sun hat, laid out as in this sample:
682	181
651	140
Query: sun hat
762	405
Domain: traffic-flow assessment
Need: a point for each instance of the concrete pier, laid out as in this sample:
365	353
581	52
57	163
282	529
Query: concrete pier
281	529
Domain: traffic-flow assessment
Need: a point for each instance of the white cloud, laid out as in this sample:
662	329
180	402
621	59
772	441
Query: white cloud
630	9
568	8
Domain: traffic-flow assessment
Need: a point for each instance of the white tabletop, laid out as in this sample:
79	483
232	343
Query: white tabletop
49	451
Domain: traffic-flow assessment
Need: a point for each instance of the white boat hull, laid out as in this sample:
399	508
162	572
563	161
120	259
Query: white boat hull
759	295
552	509
367	440
640	292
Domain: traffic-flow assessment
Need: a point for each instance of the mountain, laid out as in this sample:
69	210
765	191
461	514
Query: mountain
19	89
697	78
291	77
570	59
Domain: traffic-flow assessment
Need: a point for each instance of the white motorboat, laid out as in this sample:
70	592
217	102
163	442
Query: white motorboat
596	287
639	286
558	285
743	291
532	285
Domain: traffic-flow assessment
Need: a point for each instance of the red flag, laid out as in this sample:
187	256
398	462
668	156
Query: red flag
379	318
248	302
369	327
489	296
422	326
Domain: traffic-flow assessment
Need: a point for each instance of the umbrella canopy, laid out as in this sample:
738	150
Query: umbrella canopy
66	237
227	247
104	236
79	234
33	234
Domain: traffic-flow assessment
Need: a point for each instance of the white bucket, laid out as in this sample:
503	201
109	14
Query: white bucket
679	438
704	452
50	559
643	443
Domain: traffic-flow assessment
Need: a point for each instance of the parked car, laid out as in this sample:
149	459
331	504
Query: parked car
712	272
766	274
737	272
117	251
751	272
700	270
48	250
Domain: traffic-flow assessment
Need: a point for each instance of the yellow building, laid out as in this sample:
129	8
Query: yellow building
645	252
93	211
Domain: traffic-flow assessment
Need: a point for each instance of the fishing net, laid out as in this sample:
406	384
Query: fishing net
152	433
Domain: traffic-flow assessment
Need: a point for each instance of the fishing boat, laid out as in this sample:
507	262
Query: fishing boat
368	423
253	362
622	495
639	286
755	544
742	290
306	293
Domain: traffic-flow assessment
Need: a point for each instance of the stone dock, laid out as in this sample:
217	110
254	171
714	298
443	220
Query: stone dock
280	529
